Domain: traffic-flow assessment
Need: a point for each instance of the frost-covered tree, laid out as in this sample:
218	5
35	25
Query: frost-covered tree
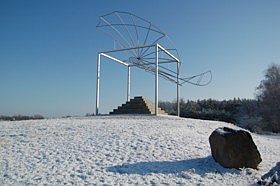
269	96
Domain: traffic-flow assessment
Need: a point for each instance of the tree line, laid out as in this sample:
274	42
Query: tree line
258	115
242	112
20	117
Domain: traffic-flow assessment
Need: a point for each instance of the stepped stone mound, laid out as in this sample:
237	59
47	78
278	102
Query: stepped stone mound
138	105
234	148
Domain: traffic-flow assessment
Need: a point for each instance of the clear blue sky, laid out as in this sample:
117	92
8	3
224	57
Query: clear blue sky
48	51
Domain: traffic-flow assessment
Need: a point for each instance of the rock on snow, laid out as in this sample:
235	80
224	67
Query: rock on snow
234	148
126	150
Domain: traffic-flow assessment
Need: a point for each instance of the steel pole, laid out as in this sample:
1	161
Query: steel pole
156	83
97	84
128	83
178	91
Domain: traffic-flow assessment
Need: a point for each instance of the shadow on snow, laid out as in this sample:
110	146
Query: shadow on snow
199	166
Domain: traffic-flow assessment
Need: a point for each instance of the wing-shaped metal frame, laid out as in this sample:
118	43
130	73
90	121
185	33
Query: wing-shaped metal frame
141	45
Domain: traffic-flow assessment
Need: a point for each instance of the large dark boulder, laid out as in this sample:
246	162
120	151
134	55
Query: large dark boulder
234	148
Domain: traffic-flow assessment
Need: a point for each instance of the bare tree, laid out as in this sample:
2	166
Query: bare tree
268	93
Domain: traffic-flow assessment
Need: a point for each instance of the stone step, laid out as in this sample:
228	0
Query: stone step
137	105
130	112
145	109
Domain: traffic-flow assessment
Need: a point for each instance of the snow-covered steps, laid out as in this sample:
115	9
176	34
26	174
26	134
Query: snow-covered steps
138	105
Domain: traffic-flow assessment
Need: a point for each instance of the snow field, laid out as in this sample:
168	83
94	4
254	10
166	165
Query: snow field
120	150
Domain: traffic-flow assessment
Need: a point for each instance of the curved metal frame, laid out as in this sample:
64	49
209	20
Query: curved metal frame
143	52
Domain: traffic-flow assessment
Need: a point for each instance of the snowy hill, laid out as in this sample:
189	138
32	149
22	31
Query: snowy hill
110	150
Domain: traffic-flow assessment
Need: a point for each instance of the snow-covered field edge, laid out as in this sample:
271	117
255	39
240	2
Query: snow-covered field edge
111	150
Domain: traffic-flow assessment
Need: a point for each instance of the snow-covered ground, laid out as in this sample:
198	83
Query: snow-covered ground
120	150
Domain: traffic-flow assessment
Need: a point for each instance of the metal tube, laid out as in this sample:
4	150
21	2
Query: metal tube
156	82
178	91
97	84
114	59
128	83
168	53
123	49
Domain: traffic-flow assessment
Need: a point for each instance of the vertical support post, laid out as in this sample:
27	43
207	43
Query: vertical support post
97	84
128	83
178	90
156	82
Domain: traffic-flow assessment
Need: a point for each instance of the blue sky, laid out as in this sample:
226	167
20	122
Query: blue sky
48	52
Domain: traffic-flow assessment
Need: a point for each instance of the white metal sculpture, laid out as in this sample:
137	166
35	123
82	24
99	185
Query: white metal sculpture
138	43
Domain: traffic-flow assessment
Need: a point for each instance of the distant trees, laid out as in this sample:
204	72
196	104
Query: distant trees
89	114
262	114
233	111
269	97
20	117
